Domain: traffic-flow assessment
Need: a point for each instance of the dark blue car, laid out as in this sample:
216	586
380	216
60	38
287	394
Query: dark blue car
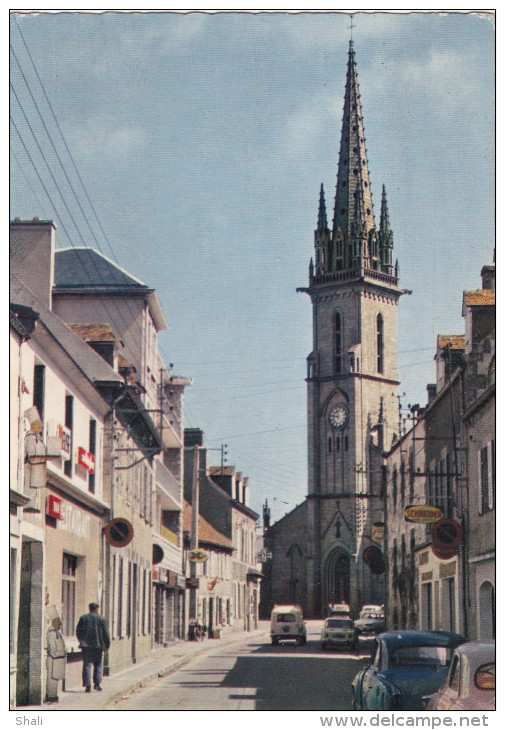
404	666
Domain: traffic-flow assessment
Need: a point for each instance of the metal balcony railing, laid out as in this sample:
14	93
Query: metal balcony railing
168	485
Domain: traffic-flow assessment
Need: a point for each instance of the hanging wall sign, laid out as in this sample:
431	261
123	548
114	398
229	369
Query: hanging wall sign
374	558
424	513
119	532
378	532
158	554
198	556
446	535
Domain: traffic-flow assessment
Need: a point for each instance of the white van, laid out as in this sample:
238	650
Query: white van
287	623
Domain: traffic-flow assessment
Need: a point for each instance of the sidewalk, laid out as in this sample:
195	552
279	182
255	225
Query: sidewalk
163	661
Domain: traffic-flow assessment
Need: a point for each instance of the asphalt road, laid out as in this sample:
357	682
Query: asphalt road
257	676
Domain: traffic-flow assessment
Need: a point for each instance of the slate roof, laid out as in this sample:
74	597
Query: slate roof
85	267
87	360
206	532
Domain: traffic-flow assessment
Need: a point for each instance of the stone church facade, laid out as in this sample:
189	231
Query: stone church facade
326	550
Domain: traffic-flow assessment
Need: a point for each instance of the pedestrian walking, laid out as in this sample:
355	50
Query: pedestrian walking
56	659
93	637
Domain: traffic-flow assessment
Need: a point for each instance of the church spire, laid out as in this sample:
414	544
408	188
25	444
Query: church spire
353	179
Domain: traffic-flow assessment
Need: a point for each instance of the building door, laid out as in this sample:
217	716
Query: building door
486	611
211	617
30	624
135	612
338	585
158	614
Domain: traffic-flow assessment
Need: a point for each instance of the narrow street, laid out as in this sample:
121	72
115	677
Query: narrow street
254	675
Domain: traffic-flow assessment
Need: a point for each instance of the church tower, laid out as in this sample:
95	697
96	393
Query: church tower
352	378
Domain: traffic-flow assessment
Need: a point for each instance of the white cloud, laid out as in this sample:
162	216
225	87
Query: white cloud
308	124
105	137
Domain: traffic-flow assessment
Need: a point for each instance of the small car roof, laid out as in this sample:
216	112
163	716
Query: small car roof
286	609
478	652
394	639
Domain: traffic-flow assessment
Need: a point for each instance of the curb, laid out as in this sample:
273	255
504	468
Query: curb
168	669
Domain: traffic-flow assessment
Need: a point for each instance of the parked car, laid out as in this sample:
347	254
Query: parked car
287	623
404	667
471	681
338	631
338	609
371	621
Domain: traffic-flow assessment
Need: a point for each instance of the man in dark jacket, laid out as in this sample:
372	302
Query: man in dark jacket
93	638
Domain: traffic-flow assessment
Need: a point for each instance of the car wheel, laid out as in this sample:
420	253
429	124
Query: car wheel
275	642
323	646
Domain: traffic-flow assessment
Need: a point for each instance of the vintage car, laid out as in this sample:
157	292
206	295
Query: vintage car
338	631
371	621
286	623
404	667
338	609
471	681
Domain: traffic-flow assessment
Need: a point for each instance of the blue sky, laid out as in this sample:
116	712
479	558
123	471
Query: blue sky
202	140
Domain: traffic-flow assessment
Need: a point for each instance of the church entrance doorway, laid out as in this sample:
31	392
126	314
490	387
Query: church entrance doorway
337	578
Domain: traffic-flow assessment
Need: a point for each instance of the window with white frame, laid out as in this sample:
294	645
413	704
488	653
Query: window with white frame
487	478
69	566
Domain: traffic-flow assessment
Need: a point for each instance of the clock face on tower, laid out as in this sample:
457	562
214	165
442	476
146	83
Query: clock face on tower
338	416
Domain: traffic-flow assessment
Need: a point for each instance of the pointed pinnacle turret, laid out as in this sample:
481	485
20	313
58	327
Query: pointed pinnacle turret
384	222
322	221
353	175
385	237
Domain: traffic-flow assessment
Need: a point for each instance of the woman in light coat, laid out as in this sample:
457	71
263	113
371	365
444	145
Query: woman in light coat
56	660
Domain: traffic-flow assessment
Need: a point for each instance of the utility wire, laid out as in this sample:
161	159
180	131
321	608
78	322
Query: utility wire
64	140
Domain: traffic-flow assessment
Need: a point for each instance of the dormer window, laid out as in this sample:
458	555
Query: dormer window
105	350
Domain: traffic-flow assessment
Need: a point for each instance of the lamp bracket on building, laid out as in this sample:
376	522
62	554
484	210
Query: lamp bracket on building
148	453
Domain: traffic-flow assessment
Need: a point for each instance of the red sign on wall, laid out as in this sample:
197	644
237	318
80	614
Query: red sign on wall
54	507
86	459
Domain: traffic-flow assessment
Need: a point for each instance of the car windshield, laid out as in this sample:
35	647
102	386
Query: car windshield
339	623
370	614
286	618
414	656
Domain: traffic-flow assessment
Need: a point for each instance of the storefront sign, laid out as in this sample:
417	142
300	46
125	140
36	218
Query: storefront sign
447	570
198	556
86	460
211	584
193	583
54	507
75	520
423	513
58	440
